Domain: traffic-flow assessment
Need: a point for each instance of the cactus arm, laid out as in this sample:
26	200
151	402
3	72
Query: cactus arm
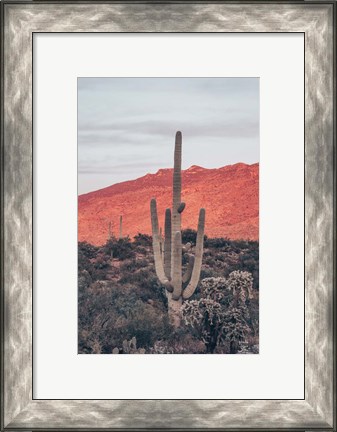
188	273
176	266
189	290
167	244
156	247
161	242
181	207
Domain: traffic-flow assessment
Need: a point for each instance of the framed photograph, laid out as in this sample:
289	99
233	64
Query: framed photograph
128	251
169	190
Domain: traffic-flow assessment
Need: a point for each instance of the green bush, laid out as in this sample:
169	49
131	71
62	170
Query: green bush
122	248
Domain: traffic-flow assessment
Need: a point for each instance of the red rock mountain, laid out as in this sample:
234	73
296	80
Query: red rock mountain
230	196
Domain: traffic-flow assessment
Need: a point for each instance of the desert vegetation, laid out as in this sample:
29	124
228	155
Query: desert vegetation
142	296
121	298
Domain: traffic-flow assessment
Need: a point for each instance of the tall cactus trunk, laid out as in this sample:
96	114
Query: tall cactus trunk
174	310
176	266
176	218
168	264
175	300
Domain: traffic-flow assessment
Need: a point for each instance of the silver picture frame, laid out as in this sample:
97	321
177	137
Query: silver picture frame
19	22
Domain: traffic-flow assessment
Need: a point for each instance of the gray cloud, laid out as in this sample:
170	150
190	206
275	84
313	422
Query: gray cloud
126	126
108	169
239	127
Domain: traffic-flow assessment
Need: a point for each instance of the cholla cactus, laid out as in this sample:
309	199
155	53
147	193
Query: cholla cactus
236	328
241	285
206	316
168	264
221	314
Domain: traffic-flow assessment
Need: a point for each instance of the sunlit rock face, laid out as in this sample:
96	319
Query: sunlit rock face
229	194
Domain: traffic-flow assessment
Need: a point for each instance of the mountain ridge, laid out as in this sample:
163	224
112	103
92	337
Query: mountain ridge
230	195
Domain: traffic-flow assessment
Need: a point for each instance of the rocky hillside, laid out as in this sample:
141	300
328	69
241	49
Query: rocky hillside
229	194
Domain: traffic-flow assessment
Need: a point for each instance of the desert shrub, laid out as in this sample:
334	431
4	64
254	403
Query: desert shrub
142	263
96	267
142	240
249	261
121	248
83	262
128	266
132	265
94	313
209	260
138	278
146	324
243	244
84	281
141	250
133	317
101	262
186	345
146	284
99	267
189	235
108	315
88	250
216	242
86	254
88	343
110	288
206	273
220	256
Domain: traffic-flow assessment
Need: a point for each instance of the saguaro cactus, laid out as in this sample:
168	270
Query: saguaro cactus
121	227
169	264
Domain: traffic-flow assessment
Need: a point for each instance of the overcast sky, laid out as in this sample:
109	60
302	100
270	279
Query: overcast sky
126	126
